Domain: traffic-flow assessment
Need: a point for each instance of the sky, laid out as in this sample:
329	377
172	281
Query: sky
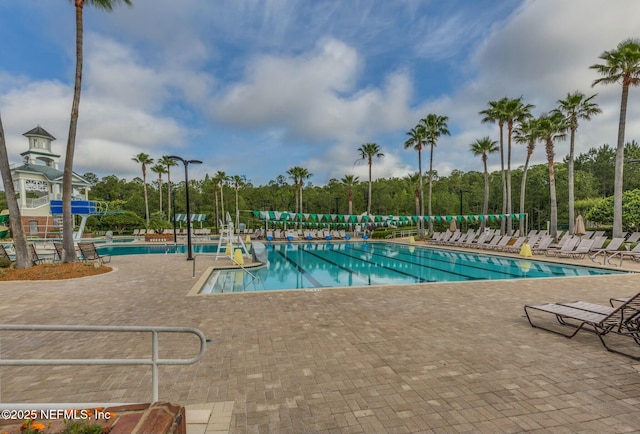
255	87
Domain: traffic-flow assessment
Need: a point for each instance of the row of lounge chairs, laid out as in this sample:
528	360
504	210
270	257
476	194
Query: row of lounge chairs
293	234
195	231
87	252
569	246
621	318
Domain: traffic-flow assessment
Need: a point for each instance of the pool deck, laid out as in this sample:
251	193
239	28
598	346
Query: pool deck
446	357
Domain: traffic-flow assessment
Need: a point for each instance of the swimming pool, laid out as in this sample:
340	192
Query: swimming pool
318	265
147	249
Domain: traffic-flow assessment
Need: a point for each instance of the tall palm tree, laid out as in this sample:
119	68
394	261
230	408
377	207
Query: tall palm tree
515	112
574	107
483	147
15	222
434	126
168	162
527	133
239	181
294	173
221	179
497	113
350	181
622	65
414	181
415	140
552	127
159	169
68	249
145	161
303	174
369	151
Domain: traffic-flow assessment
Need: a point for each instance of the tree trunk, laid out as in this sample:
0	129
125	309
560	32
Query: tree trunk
15	220
160	188
420	221
68	247
553	228
369	198
504	180
617	187
237	211
523	187
485	205
350	201
146	198
301	196
222	214
509	206
430	189
168	193
572	212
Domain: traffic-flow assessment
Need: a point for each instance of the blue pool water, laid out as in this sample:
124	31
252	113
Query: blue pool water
146	249
314	265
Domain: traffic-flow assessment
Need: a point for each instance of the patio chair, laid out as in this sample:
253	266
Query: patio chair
633	254
515	247
568	245
89	253
543	244
612	247
623	320
579	251
35	258
633	238
4	255
58	247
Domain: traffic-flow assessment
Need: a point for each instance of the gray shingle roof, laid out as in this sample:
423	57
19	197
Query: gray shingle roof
40	132
48	172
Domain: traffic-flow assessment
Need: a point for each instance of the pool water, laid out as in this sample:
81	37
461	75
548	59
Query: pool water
146	249
319	265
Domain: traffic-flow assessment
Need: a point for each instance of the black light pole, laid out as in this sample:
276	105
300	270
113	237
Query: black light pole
186	182
175	234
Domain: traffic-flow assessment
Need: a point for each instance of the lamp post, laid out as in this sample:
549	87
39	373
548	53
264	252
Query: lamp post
175	234
186	186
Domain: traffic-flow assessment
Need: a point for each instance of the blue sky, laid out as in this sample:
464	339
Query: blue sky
256	87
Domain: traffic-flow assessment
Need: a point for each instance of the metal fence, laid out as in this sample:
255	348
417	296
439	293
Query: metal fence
154	361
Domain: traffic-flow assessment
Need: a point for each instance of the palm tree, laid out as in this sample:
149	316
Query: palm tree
159	169
414	181
622	65
168	162
302	175
434	127
68	249
575	106
294	173
350	181
552	127
220	179
527	133
367	152
238	181
144	160
15	222
483	147
416	138
497	113
515	112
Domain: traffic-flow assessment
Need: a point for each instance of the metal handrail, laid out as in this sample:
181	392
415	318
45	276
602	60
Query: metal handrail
154	361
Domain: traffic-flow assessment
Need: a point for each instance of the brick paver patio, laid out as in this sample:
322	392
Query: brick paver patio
449	357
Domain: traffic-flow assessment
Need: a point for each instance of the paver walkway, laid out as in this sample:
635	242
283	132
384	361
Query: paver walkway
449	357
